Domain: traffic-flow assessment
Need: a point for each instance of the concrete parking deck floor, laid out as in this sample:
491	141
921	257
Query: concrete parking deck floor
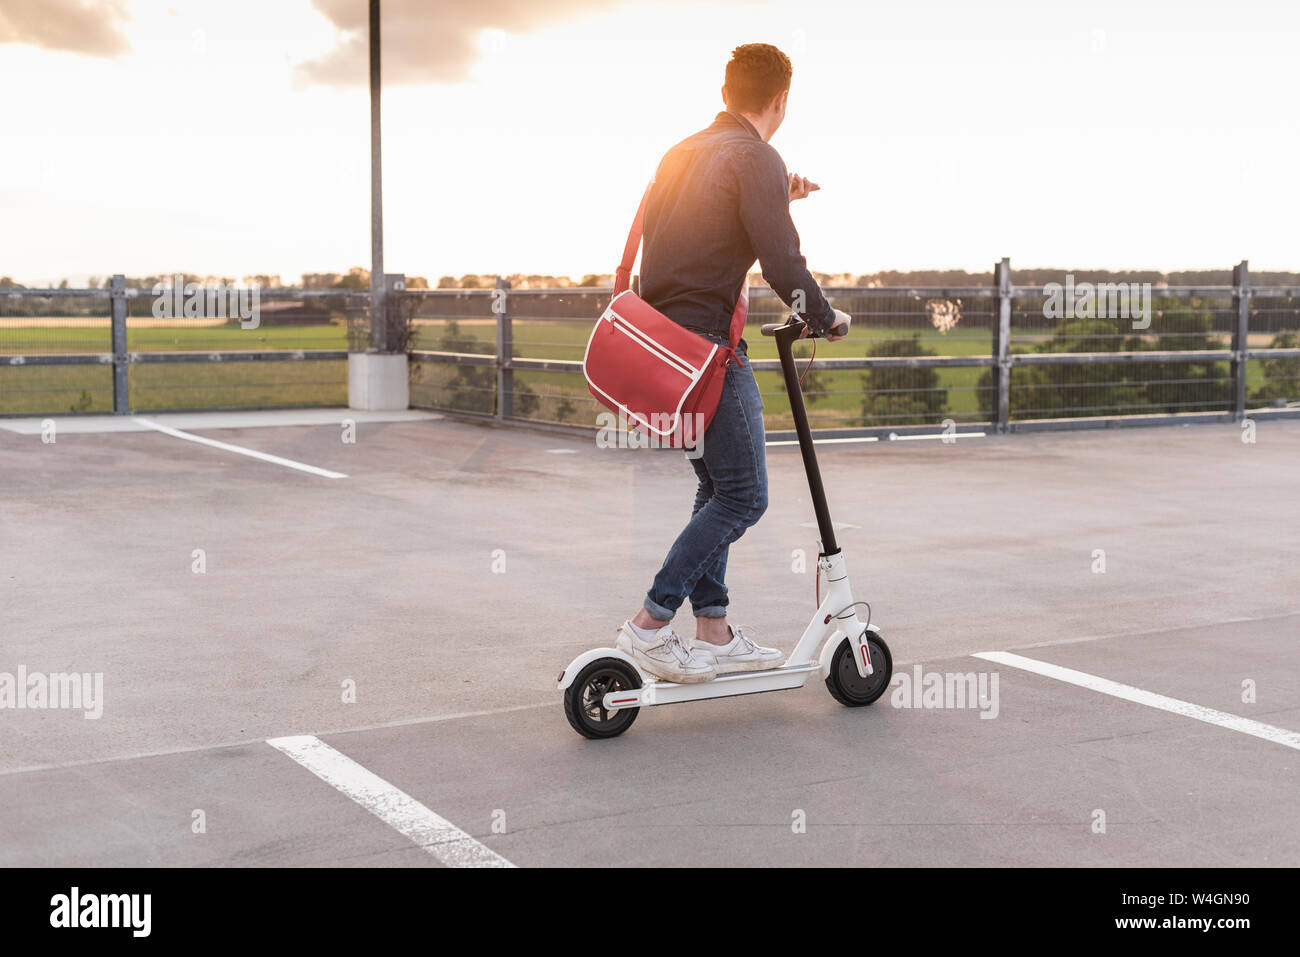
456	568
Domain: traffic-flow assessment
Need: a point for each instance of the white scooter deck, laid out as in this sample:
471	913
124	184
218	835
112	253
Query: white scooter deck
654	691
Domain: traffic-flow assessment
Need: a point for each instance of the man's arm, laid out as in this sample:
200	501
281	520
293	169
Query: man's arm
764	190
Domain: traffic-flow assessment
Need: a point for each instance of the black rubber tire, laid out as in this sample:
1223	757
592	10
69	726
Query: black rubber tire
593	682
847	686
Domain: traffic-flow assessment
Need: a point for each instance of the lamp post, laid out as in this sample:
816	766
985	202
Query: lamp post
378	378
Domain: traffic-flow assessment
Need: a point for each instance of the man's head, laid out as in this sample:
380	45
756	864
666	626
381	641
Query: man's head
758	84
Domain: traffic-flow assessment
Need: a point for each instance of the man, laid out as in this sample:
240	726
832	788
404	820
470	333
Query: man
721	199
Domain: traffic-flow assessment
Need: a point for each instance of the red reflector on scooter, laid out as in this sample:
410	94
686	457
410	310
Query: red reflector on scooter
561	678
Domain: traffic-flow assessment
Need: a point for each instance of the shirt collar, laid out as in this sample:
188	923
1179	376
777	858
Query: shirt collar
741	121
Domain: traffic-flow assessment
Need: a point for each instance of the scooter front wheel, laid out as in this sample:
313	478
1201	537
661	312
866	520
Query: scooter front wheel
847	686
584	700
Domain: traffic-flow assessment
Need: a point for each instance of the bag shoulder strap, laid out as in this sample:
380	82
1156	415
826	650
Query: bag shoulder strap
623	275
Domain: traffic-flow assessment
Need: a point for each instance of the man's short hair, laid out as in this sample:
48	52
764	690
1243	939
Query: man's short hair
755	74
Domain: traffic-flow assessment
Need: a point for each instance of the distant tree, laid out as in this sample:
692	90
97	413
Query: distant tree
357	278
526	400
471	387
1183	326
1281	376
902	396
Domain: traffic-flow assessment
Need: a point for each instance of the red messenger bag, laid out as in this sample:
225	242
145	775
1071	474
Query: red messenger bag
661	376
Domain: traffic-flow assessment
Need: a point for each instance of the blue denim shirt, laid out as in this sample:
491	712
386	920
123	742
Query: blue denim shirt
720	200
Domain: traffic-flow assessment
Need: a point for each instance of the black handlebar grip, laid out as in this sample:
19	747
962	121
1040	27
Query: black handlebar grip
769	328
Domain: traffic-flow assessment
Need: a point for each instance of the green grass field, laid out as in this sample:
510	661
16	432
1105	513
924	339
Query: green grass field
27	340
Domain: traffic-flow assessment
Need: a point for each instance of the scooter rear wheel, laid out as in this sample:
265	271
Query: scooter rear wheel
847	686
584	699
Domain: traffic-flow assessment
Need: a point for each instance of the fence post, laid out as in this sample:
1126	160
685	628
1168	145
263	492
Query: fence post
505	349
1240	337
117	319
1001	344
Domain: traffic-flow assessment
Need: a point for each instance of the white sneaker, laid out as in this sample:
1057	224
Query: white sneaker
740	654
665	655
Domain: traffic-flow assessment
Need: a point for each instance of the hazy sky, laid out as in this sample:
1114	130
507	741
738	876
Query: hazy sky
232	137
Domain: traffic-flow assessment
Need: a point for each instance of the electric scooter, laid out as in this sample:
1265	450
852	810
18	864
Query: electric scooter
605	689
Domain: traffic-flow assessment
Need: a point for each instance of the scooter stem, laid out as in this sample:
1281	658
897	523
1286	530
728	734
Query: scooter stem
785	339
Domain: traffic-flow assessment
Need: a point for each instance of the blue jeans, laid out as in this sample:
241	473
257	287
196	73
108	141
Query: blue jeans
732	496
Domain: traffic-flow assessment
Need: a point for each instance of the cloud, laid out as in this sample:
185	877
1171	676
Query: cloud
77	26
426	42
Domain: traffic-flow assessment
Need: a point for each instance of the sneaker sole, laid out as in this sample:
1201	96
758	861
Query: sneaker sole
677	680
650	668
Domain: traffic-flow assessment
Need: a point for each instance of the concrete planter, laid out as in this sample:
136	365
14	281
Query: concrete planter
378	382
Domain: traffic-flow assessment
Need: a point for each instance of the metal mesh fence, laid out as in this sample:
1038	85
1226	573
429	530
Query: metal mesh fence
554	326
929	355
1126	321
887	324
1274	324
184	350
452	322
59	324
917	357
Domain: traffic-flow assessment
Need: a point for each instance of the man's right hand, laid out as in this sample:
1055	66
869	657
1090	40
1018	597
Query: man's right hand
841	322
840	327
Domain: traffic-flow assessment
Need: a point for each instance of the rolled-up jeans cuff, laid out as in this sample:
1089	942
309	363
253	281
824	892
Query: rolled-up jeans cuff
657	611
711	611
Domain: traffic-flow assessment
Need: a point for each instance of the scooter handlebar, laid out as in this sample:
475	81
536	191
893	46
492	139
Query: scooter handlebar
770	328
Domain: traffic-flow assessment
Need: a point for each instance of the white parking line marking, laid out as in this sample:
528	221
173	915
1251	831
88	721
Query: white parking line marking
875	438
394	807
865	438
198	421
1223	719
954	436
287	463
